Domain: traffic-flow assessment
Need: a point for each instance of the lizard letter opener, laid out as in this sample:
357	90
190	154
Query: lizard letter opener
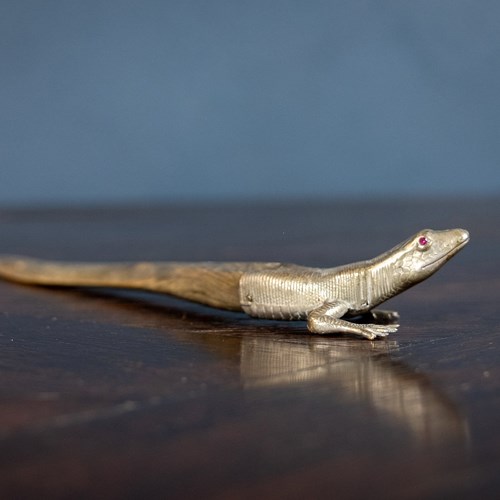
323	297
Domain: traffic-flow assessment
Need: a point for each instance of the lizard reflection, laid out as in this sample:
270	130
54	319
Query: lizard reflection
361	373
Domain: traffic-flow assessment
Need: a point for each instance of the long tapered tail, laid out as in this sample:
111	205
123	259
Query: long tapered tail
211	283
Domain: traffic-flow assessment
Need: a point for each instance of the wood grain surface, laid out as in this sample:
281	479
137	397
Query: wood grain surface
117	394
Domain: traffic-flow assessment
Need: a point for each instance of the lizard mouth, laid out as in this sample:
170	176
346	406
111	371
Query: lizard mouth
450	253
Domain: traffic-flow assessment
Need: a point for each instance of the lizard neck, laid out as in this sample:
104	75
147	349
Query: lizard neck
384	279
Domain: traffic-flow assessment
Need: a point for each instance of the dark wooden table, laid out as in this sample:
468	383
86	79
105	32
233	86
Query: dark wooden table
114	394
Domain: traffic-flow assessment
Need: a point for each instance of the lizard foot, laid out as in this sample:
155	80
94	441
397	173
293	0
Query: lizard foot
371	331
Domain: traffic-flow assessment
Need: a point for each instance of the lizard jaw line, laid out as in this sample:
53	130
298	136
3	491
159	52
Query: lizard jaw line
453	250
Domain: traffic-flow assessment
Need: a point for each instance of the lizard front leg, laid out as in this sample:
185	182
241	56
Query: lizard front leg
327	319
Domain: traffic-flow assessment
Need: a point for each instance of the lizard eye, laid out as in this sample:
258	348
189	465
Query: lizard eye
423	243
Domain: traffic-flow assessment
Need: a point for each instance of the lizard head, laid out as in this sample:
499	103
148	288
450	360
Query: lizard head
427	251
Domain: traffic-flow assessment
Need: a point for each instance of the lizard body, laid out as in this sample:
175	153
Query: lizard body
323	297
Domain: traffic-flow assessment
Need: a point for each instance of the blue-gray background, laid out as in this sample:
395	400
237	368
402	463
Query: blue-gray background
110	101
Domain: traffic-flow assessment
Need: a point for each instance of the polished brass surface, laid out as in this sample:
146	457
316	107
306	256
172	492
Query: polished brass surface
269	290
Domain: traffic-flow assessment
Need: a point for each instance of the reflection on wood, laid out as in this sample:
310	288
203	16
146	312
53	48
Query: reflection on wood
363	374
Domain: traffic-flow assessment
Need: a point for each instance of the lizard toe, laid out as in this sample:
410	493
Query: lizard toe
374	331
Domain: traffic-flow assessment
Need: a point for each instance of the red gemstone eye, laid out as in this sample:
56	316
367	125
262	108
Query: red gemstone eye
422	241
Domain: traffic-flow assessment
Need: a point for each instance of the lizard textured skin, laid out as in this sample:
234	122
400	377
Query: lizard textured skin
323	297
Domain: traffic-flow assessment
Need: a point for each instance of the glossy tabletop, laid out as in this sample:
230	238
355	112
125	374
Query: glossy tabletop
121	394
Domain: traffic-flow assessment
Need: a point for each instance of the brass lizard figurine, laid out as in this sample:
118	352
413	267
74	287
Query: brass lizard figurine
323	297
